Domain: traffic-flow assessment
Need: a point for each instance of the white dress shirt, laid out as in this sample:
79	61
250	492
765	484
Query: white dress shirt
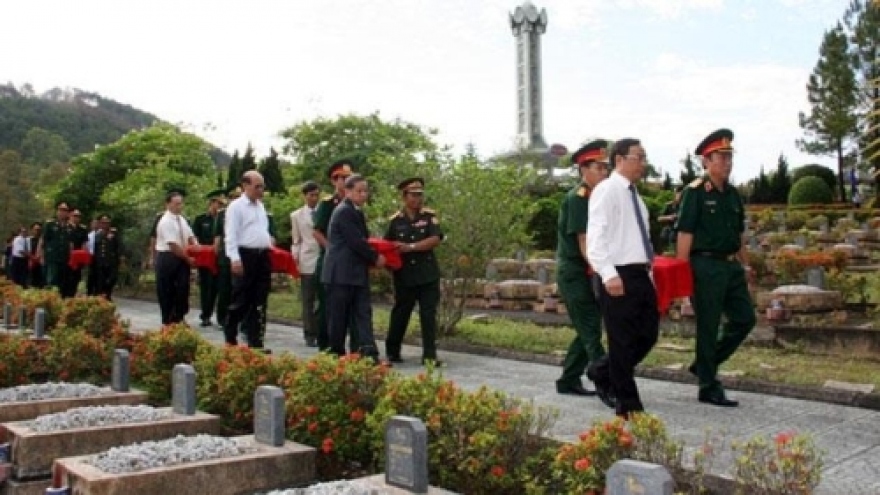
304	247
614	237
91	244
172	228
20	246
246	225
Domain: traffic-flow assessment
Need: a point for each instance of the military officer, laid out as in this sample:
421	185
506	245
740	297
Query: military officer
337	172
204	228
416	232
572	269
710	226
54	248
79	238
105	259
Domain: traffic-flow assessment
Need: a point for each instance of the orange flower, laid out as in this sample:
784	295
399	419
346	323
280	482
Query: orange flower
313	426
582	464
312	366
497	471
783	438
311	410
625	440
327	445
357	415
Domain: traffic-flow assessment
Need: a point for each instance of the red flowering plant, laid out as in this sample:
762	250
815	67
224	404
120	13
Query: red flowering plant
155	355
19	360
328	401
49	300
75	355
789	464
479	439
790	265
95	315
227	378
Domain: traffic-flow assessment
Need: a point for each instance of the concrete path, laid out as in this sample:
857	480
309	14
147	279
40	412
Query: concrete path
850	437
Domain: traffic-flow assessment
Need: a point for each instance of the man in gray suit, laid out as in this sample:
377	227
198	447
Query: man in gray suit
346	271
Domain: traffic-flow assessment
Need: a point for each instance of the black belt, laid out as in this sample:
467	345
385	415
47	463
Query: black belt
715	255
645	267
250	250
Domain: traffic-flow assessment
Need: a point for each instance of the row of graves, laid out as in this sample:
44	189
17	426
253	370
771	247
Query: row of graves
78	438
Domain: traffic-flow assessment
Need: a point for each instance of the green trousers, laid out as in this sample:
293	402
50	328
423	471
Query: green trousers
720	287
583	310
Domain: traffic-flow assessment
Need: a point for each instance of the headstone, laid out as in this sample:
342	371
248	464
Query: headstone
269	416
816	277
543	275
121	371
866	227
823	227
852	240
491	272
520	255
801	240
22	318
628	477
183	389
406	454
783	229
7	315
40	323
850	215
753	243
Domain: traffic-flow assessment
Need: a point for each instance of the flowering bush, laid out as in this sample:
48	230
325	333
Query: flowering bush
791	264
95	315
19	360
156	354
227	378
49	300
789	465
76	355
328	401
479	439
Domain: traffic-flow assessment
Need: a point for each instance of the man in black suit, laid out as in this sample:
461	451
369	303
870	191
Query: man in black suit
346	271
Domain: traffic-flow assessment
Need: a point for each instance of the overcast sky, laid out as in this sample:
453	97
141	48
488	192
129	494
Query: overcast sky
666	71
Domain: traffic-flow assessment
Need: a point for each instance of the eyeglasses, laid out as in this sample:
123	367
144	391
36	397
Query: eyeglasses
638	158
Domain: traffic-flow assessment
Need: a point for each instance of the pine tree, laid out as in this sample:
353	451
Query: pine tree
863	24
667	182
831	126
233	175
270	167
761	193
248	161
780	182
691	170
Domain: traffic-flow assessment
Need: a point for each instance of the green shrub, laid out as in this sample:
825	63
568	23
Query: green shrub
156	354
19	360
826	174
810	190
95	315
49	300
76	355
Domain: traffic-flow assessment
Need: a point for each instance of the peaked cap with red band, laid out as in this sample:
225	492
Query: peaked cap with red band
340	167
591	152
719	140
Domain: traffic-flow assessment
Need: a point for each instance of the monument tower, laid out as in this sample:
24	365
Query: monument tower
528	25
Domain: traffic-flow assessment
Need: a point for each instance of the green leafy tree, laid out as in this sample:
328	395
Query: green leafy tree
862	20
159	145
831	126
248	161
691	171
815	170
233	173
19	206
43	148
315	144
761	190
543	224
667	181
780	182
270	167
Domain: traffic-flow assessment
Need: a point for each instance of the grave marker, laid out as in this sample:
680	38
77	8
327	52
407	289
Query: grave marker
22	318
40	323
628	477
7	315
121	371
801	241
816	277
753	243
269	416
406	454
183	389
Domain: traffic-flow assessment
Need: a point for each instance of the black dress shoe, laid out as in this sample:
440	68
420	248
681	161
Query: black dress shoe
311	342
717	400
605	395
692	369
206	323
574	390
395	359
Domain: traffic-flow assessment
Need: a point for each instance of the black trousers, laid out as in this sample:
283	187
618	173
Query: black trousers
350	302
631	321
103	279
19	268
91	281
405	298
250	292
172	287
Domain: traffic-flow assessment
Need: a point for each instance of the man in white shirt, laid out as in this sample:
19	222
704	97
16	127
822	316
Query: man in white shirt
19	263
173	264
247	242
305	250
619	249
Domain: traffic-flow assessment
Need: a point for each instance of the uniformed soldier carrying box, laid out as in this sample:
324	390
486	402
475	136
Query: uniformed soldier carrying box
205	229
416	231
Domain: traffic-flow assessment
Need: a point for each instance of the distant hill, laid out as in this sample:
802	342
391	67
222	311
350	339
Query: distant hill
82	118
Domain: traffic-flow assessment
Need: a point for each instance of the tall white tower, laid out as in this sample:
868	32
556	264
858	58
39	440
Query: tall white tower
528	25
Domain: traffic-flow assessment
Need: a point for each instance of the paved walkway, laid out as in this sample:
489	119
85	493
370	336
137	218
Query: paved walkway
849	436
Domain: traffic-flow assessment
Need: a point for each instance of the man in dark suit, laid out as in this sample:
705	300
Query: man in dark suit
346	271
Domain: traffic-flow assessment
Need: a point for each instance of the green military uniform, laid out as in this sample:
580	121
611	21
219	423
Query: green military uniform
418	280
716	219
105	261
79	236
204	229
57	238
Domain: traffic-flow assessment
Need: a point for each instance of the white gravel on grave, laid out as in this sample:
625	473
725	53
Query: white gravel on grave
332	488
97	416
171	452
51	390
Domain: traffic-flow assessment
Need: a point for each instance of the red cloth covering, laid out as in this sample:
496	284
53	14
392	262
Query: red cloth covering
673	279
283	262
205	256
79	258
388	250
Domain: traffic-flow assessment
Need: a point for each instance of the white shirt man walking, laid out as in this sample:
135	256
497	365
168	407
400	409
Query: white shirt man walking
173	235
305	250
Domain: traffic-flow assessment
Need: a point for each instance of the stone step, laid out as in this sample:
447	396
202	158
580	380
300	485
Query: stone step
32	453
267	468
20	411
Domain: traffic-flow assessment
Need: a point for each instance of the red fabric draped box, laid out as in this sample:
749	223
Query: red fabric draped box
79	258
205	256
388	250
283	262
673	279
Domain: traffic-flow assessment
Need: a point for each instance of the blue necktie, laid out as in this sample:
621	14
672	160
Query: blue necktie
646	242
